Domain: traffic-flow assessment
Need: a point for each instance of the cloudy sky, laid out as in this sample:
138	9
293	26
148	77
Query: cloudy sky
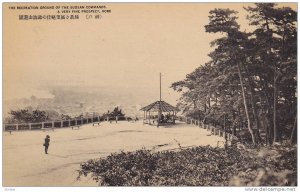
128	48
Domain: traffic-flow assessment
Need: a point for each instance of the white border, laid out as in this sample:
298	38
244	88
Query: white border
138	189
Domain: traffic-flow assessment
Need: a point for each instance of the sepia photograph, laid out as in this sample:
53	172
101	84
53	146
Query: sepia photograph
156	94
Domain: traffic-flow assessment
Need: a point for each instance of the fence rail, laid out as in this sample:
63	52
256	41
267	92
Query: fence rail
51	124
213	130
97	119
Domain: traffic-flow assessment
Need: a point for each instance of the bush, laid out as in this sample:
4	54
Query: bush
199	166
277	167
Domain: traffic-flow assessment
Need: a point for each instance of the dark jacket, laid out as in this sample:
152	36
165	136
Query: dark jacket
47	141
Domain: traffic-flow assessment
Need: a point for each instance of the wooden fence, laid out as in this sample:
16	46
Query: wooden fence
213	130
51	124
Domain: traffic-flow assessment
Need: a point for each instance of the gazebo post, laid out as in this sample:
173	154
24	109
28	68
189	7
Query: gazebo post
173	117
159	112
146	116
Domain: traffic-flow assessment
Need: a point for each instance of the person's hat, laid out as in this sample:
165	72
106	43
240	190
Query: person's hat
48	136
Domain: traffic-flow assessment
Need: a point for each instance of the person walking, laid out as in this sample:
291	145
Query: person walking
47	143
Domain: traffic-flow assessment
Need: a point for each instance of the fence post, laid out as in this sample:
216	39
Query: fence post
52	124
43	125
29	126
69	123
75	121
17	127
98	118
62	123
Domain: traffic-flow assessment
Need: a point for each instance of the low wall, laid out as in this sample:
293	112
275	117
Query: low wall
213	130
51	124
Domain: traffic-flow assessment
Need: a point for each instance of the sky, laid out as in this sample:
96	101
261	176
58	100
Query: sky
126	48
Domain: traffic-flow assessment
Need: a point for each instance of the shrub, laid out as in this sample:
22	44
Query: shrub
198	166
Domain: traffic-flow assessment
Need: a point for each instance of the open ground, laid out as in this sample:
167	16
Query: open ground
26	164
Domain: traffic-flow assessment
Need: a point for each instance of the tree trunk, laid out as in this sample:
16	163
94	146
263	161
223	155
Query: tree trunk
268	110
205	106
275	130
293	138
224	123
234	122
253	103
246	105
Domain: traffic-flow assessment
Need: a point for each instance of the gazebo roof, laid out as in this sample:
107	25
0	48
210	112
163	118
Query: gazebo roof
165	107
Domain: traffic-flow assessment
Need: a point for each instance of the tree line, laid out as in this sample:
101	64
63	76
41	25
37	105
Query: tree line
250	81
38	116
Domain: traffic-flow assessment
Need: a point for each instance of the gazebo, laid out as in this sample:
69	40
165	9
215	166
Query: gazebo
159	113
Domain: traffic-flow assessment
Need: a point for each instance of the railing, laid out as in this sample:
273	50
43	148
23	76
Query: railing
212	129
51	124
